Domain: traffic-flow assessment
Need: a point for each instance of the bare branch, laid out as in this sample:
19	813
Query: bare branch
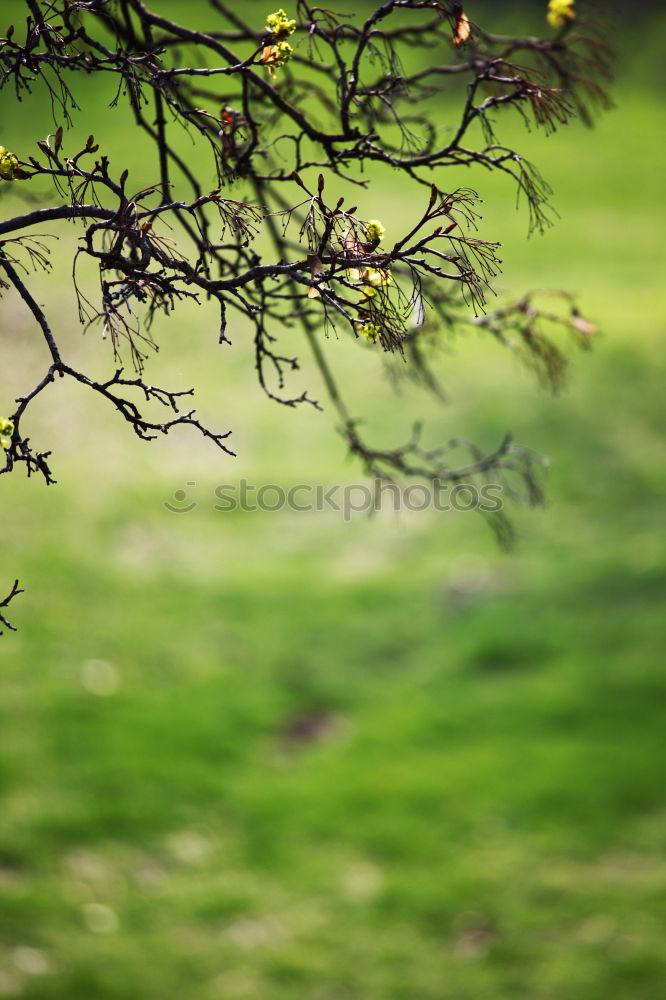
6	602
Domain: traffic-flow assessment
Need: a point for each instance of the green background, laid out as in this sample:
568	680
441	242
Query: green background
278	755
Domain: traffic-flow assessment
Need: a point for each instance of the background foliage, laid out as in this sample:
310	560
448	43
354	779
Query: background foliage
262	755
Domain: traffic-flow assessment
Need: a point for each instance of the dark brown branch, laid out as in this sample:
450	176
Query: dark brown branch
6	602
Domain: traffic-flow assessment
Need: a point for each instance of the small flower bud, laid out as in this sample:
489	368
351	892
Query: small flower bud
560	12
6	431
368	331
8	164
374	231
280	26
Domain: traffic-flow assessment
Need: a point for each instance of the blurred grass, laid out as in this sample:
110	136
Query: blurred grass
273	755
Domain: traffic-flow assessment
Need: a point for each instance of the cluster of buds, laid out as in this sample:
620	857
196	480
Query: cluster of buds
277	51
280	26
374	278
6	431
8	164
374	231
369	331
560	13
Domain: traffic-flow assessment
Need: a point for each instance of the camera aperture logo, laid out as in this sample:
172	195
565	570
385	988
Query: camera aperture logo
348	500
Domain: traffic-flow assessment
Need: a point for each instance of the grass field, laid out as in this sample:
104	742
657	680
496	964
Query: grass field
255	756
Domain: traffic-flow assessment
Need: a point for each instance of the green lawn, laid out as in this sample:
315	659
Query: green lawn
258	756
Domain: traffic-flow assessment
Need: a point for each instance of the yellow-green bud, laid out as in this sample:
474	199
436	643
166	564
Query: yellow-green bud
276	55
8	164
6	431
279	25
284	51
368	331
374	231
375	276
560	12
